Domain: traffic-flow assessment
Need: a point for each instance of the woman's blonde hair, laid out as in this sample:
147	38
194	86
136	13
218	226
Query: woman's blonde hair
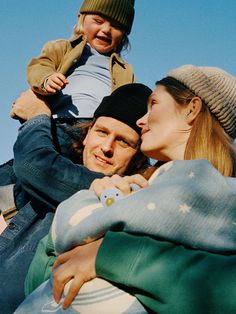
207	139
78	29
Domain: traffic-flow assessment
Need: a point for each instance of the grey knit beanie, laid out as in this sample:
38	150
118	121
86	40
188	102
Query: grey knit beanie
120	11
215	87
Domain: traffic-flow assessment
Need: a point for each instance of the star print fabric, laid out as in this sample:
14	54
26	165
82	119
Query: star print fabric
188	202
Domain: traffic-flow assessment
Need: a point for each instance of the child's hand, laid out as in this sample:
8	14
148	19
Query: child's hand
55	82
124	184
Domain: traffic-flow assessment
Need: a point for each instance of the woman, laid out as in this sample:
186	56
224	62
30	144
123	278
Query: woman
175	239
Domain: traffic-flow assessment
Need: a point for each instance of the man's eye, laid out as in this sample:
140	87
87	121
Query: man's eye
101	132
123	143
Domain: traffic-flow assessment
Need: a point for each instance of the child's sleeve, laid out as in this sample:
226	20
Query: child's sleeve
47	63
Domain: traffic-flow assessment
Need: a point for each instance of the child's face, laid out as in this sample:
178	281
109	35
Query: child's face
102	34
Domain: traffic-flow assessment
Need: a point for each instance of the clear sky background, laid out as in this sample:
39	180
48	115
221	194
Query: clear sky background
165	35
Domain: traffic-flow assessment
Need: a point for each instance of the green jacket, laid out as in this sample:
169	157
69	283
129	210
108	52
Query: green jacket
60	55
45	256
165	277
169	278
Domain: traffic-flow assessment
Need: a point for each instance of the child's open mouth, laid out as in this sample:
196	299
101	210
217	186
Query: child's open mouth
104	39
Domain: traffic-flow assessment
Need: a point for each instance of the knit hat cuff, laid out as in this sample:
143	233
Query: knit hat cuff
216	88
120	11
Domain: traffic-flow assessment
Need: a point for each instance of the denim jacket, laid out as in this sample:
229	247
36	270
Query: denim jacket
42	171
44	179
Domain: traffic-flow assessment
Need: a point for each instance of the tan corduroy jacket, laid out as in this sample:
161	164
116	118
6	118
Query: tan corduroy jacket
60	55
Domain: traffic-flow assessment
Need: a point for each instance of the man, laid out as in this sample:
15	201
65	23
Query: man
46	178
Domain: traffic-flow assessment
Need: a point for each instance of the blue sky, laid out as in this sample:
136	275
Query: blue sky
165	35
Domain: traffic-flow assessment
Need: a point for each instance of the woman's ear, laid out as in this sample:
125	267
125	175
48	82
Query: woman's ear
193	109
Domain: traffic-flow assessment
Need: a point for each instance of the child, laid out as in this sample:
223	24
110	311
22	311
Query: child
76	74
79	72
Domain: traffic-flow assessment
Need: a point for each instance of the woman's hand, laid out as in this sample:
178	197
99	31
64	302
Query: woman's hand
124	184
29	105
78	265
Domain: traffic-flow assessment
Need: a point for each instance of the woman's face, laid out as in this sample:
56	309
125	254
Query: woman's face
165	130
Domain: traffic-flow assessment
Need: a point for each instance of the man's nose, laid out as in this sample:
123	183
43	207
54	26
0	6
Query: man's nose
107	147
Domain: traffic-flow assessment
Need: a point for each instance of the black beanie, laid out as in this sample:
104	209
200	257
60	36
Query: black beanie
127	104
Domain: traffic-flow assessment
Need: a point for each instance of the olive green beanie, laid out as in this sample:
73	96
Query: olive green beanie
215	87
120	11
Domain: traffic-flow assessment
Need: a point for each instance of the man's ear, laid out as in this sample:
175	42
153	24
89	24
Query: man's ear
193	109
86	137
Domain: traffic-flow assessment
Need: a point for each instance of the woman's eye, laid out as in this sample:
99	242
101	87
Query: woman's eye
152	103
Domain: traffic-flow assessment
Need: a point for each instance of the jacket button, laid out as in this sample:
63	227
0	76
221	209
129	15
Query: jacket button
11	226
114	81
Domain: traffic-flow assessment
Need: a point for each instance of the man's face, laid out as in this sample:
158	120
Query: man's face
109	146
